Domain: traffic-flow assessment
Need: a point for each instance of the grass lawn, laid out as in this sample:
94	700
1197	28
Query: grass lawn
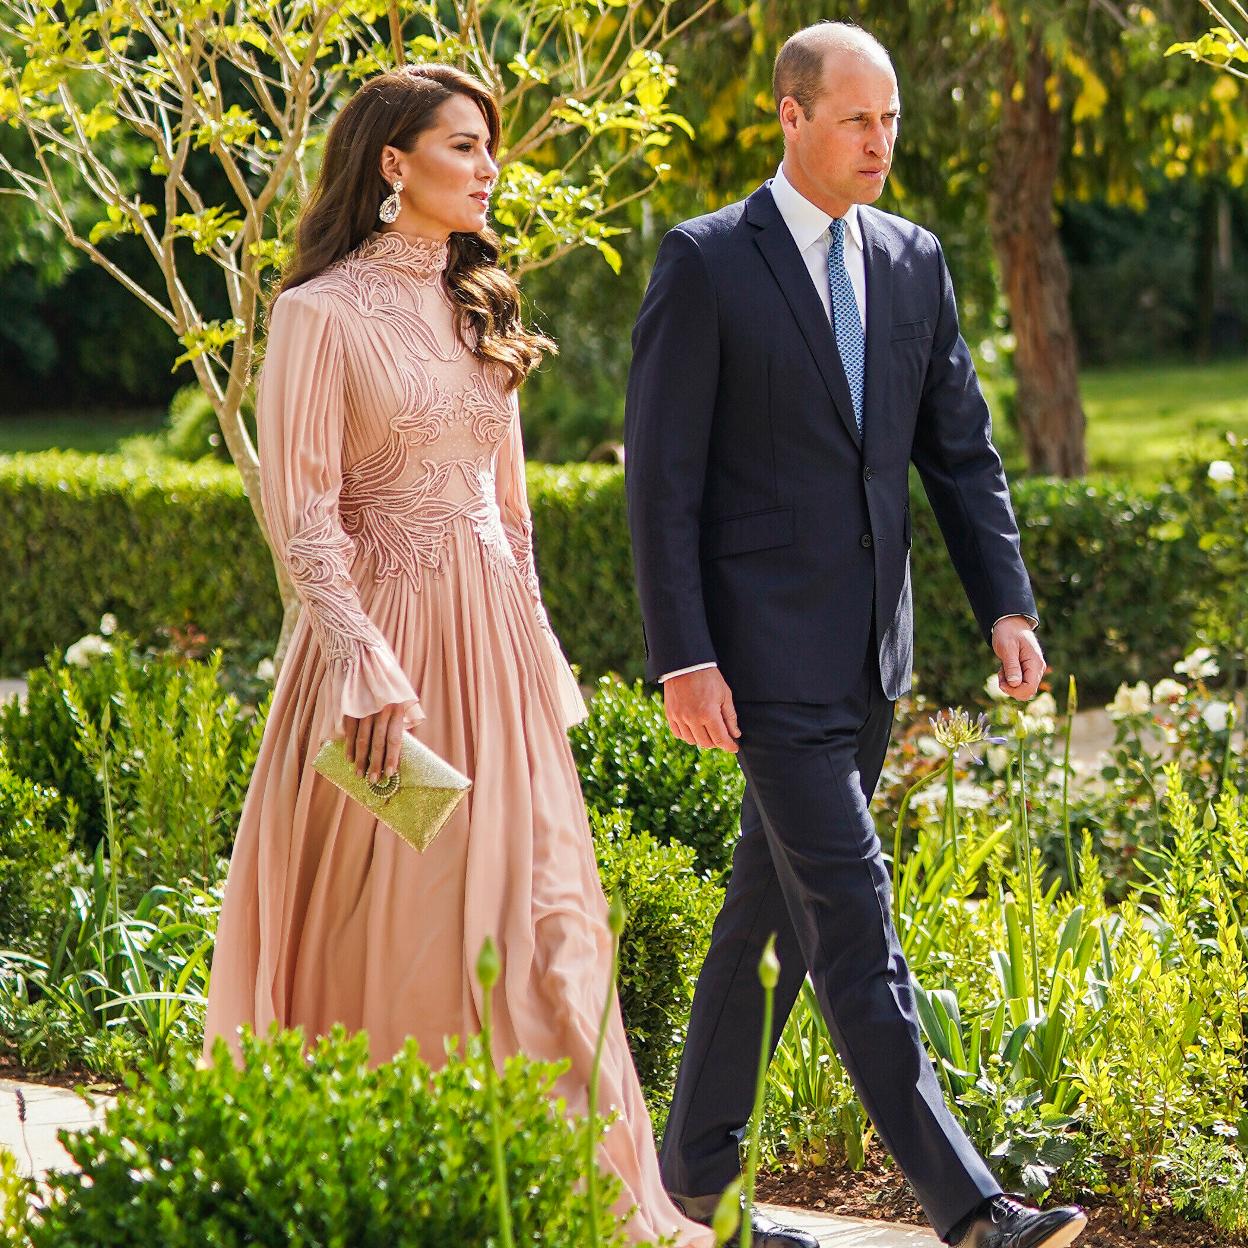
1145	419
91	431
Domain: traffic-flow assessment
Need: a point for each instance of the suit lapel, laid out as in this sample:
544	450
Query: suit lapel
788	268
879	325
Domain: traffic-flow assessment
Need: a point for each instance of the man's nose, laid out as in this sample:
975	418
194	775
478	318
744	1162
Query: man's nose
878	141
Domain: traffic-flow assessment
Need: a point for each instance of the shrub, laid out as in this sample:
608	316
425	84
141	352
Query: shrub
181	749
629	760
1116	599
671	910
320	1149
34	852
168	543
157	544
193	430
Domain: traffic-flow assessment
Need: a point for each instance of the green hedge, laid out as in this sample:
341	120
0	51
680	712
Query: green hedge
171	544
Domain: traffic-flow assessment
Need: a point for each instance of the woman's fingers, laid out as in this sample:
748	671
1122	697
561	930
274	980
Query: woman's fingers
394	742
373	744
377	744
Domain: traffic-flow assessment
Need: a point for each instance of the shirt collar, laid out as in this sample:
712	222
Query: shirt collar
806	221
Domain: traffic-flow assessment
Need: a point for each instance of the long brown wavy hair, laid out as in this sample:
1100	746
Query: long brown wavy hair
393	109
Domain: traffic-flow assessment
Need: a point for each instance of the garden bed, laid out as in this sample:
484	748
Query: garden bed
880	1191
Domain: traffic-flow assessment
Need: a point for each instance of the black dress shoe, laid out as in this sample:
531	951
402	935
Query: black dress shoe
1005	1223
767	1234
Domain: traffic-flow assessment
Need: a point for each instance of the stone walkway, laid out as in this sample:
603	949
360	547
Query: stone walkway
37	1150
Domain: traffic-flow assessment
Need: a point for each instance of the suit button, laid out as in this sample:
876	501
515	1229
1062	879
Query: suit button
868	473
865	540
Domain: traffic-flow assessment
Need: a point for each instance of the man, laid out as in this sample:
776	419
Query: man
794	353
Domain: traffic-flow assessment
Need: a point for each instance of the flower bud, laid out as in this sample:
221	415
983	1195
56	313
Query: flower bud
617	915
769	964
727	1213
489	965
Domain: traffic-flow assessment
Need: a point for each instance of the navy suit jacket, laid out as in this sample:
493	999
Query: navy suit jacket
765	531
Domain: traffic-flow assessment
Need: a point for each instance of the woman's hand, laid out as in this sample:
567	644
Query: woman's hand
373	742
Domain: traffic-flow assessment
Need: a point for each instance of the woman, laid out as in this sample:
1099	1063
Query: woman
393	482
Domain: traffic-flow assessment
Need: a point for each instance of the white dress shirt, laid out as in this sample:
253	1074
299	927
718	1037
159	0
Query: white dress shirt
809	226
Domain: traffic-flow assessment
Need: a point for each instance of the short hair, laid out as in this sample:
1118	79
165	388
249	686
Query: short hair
799	63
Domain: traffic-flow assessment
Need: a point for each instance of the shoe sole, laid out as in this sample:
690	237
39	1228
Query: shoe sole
1064	1236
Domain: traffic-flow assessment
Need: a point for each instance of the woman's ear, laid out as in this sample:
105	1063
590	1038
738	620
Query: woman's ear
390	164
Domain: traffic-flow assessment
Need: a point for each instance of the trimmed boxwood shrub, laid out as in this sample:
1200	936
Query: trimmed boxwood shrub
319	1150
670	912
167	544
629	760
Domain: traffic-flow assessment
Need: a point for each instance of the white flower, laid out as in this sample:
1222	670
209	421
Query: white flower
1217	716
1130	700
1030	725
1167	690
265	670
1043	705
992	686
998	758
1220	470
108	624
85	649
1198	665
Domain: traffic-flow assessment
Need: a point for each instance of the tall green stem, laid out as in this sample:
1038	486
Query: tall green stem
768	976
1071	868
615	920
951	808
1232	716
488	969
1025	831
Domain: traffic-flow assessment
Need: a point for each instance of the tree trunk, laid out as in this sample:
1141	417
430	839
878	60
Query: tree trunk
1034	272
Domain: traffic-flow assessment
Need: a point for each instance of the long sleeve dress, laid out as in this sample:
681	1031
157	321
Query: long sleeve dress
392	476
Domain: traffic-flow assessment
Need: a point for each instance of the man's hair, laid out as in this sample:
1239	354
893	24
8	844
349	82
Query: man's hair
799	64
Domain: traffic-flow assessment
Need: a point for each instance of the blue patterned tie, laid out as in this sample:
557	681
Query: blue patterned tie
846	320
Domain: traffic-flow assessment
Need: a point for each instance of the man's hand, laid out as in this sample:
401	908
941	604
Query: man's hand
1022	662
700	711
373	742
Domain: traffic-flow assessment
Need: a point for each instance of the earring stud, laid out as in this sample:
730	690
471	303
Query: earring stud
389	210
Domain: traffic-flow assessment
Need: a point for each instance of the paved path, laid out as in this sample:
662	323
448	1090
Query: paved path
37	1150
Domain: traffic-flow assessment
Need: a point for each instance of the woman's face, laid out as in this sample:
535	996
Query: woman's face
447	176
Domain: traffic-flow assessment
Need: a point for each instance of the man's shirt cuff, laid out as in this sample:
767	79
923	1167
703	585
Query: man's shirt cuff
697	667
1035	623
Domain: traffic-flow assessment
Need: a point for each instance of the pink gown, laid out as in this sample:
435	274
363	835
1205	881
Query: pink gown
392	475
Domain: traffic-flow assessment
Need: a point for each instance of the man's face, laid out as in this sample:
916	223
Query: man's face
842	154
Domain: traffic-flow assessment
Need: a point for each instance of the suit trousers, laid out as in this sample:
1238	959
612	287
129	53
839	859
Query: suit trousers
809	867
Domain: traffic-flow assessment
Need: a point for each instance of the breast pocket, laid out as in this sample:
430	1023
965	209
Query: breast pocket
903	330
750	531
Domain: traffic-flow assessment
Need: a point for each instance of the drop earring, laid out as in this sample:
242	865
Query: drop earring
389	210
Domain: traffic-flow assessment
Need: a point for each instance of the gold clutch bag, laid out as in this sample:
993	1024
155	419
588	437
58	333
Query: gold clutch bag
416	802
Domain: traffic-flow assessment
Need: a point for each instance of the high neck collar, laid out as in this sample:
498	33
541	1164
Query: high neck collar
423	259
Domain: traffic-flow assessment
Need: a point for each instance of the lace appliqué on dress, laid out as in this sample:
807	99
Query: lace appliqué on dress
318	558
